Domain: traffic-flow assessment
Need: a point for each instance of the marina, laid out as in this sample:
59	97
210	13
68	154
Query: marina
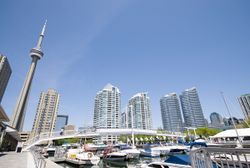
220	150
125	84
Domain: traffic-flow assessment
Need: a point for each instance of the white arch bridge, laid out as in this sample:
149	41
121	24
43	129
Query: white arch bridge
92	133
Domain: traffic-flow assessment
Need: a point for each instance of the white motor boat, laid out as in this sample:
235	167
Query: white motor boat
150	153
51	151
81	157
132	152
95	147
115	156
173	161
178	148
164	165
163	150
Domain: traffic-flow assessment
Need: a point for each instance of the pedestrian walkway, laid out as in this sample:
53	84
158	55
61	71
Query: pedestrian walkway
21	160
16	160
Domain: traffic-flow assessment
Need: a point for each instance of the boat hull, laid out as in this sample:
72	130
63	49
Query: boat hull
150	153
131	153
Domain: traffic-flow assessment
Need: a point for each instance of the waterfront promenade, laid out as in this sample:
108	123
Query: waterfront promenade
21	160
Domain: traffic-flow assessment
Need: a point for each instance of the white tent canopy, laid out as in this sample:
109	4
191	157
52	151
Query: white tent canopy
232	133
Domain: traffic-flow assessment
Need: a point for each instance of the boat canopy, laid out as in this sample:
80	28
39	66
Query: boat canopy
243	132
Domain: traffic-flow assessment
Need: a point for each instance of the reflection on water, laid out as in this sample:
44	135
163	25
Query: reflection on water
109	164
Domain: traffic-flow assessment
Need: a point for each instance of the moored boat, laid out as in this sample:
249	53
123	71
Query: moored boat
163	150
80	157
174	161
150	153
115	156
51	151
131	151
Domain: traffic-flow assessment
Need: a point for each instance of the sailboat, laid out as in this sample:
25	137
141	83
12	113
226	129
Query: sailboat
132	152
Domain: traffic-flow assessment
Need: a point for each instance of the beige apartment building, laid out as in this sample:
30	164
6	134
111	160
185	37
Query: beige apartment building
46	113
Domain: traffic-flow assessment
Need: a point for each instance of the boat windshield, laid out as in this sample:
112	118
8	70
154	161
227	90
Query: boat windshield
179	159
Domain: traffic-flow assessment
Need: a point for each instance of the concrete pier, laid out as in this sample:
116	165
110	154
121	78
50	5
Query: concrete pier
22	160
16	160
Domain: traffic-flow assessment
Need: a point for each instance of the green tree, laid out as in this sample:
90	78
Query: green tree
204	131
59	142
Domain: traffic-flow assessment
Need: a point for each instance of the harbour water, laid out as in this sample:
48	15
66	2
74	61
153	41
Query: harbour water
118	164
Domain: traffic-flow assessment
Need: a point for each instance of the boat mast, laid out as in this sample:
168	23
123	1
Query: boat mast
228	110
132	125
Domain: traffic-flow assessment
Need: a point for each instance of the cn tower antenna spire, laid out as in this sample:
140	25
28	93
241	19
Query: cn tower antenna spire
40	40
36	54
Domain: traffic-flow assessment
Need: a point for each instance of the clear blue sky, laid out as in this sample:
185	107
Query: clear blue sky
155	46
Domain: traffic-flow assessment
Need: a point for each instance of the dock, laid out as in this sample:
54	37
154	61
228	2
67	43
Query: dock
22	160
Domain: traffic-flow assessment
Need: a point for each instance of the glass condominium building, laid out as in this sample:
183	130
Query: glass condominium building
5	72
61	121
191	108
107	108
171	113
244	101
139	111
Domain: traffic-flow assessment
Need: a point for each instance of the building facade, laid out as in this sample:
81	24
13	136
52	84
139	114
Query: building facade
216	120
244	101
191	108
171	113
68	128
61	121
107	108
139	112
5	72
124	123
24	136
107	111
229	121
45	119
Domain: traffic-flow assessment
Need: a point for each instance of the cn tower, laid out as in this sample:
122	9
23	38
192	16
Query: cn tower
36	54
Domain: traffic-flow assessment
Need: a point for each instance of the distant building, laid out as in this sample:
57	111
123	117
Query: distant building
5	72
171	113
191	108
24	136
61	121
216	120
107	110
124	123
229	121
244	101
45	119
69	128
139	108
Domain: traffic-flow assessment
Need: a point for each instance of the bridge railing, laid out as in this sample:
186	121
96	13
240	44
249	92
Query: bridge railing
213	157
47	135
39	160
